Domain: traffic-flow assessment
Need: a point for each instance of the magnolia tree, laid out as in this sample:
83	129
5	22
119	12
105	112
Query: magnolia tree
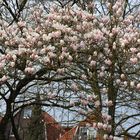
42	52
92	58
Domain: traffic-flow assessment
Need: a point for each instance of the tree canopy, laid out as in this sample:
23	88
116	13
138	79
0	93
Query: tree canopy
79	57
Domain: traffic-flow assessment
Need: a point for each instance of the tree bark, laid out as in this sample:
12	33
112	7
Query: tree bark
2	132
3	127
14	128
8	119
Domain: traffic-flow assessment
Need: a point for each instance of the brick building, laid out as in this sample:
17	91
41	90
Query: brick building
52	129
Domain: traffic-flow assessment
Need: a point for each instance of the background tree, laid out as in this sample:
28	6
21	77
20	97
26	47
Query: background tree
36	128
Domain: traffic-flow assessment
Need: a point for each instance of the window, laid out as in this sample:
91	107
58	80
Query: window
27	113
91	133
83	133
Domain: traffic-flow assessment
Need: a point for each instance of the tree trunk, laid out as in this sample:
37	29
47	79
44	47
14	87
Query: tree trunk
7	123
14	128
111	112
3	127
112	96
2	132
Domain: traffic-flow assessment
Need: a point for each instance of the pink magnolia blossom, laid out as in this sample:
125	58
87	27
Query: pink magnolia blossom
109	103
55	34
109	128
46	60
105	19
72	103
103	68
138	86
97	103
133	50
138	55
95	53
29	70
8	56
51	55
74	87
111	137
12	64
108	62
138	41
100	125
105	126
70	58
43	51
4	78
46	37
89	98
118	81
83	76
74	47
108	118
104	90
94	125
104	116
134	60
125	83
101	74
62	42
80	111
132	84
21	24
39	43
34	56
61	71
105	137
122	76
84	102
92	63
1	65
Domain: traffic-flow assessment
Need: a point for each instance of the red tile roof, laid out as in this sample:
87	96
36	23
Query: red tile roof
70	134
53	128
